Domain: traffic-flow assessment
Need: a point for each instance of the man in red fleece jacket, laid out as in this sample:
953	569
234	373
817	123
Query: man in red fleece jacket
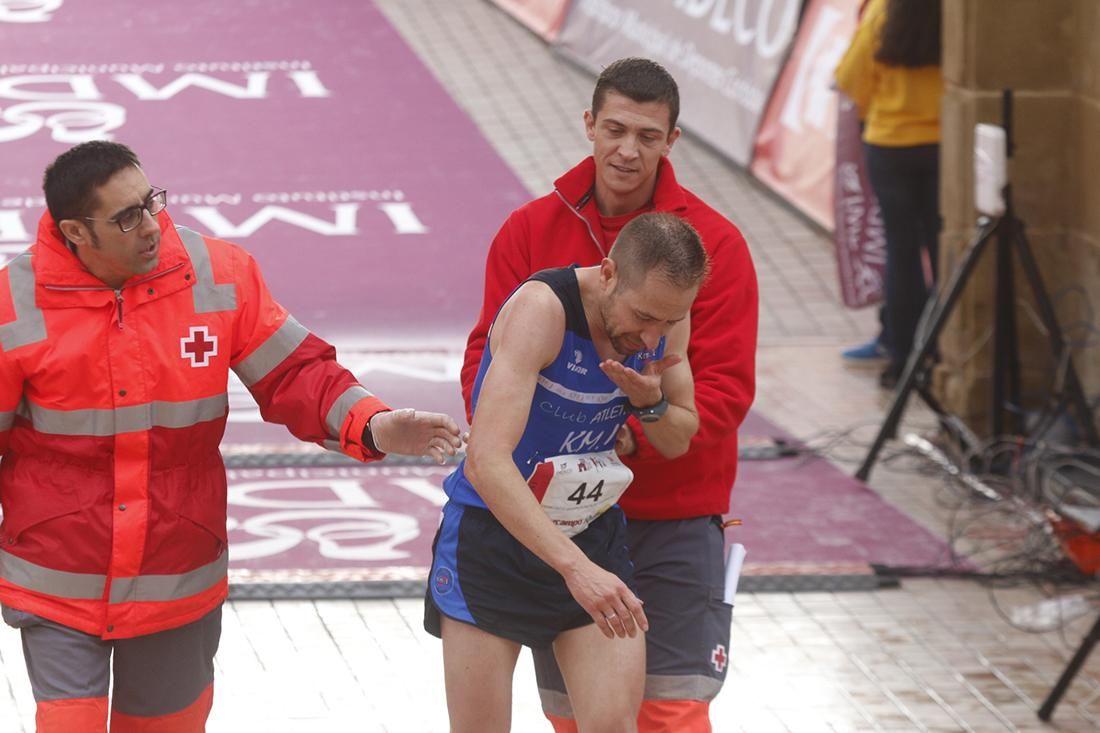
674	506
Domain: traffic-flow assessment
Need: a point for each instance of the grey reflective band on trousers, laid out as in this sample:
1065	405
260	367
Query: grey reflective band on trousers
657	687
272	352
29	325
556	703
681	687
169	587
6	419
132	419
209	296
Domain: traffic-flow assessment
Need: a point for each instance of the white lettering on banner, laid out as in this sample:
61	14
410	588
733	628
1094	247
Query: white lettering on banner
809	100
212	219
71	122
345	493
12	229
337	514
76	87
356	534
309	84
683	55
745	33
15	233
255	88
80	115
403	219
344	223
289	197
84	86
422	487
28	11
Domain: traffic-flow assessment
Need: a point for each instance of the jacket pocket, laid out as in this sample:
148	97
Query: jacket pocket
188	514
35	492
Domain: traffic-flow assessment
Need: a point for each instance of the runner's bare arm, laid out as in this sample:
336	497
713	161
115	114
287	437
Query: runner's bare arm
525	339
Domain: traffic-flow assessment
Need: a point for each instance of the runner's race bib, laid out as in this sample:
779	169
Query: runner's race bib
576	489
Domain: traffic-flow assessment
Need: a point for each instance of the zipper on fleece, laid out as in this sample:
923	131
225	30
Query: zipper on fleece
587	226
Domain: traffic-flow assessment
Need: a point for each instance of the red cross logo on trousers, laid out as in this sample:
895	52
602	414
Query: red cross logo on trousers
199	346
718	658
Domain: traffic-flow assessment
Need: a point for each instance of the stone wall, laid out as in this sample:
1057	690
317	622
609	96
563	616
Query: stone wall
1048	53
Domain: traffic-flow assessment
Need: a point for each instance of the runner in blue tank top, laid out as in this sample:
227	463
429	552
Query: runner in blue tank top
531	549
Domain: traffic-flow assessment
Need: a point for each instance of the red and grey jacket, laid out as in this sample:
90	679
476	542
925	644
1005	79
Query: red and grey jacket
112	406
563	228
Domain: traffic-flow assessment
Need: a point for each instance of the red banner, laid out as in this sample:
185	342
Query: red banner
544	17
793	152
859	236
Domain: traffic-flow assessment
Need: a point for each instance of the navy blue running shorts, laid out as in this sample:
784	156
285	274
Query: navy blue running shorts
482	575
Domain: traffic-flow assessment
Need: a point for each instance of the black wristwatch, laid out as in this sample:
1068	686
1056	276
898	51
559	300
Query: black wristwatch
652	413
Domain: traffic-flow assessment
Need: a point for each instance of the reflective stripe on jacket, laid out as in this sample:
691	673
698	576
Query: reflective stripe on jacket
112	407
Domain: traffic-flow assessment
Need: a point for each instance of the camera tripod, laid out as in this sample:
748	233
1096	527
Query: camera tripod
1007	232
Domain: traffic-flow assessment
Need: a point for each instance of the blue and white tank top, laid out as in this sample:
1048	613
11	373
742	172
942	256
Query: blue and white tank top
567	450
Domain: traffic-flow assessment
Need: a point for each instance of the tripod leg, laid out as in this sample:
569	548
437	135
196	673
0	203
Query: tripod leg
1070	672
922	350
1006	363
1075	392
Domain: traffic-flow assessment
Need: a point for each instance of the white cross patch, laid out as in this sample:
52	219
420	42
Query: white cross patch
198	346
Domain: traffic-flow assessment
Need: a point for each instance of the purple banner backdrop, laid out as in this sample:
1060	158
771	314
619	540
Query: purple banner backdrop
376	523
307	132
725	55
859	235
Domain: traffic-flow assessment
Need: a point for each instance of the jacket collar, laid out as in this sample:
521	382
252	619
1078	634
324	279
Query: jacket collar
55	264
578	187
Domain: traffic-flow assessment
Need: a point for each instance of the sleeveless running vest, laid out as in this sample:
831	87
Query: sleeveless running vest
566	452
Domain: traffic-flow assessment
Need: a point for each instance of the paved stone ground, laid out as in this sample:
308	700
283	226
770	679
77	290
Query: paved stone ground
933	655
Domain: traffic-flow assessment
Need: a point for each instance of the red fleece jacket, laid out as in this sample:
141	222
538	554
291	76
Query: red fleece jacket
563	228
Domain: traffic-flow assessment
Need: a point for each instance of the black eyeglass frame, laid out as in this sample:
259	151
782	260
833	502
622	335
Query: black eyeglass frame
158	196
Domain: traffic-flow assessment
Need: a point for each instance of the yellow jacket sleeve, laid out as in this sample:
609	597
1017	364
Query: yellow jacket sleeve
857	72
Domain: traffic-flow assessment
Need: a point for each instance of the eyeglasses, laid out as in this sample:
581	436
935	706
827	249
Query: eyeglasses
131	218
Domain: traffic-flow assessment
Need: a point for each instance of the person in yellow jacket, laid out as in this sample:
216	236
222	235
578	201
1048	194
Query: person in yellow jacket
891	72
117	333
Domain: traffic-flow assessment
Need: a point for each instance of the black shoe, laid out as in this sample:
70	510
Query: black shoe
890	377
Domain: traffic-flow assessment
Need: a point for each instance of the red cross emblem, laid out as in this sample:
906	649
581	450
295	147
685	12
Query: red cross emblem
199	346
718	658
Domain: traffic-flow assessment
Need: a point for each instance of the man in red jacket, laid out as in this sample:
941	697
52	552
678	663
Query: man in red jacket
674	506
117	334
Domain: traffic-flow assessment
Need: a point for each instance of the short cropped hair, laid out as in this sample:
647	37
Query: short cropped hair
71	181
640	80
661	243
